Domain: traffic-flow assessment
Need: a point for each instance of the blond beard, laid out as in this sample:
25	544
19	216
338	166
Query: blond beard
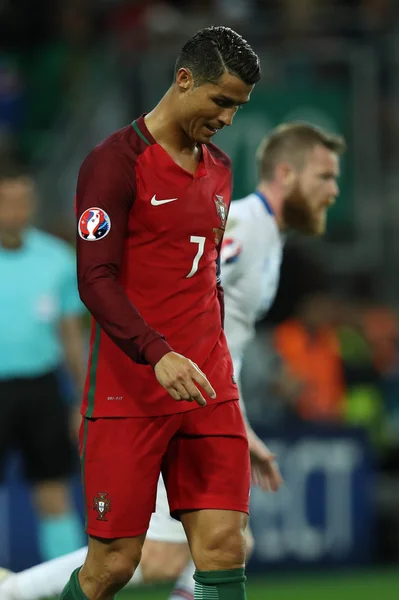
298	215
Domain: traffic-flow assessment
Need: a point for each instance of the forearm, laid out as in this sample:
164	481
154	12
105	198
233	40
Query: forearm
120	320
71	332
76	364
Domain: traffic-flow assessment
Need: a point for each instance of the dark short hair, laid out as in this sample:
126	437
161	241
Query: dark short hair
216	50
290	142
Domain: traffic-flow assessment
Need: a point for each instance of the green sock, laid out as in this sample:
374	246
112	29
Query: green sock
220	585
72	590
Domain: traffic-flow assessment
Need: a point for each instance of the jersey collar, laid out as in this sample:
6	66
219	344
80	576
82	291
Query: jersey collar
141	129
265	202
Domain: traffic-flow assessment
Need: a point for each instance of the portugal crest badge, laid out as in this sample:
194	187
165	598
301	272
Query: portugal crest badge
102	504
221	210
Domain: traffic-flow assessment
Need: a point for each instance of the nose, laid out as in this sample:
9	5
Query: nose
334	189
333	192
226	117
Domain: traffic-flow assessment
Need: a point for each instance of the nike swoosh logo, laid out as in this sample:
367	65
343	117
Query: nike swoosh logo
156	202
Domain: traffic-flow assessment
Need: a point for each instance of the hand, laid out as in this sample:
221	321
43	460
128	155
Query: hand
265	471
177	375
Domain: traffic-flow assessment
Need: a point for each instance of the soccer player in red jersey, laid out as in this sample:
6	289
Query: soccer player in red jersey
160	394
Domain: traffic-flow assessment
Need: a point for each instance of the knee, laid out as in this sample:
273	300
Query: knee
163	561
111	568
120	568
223	548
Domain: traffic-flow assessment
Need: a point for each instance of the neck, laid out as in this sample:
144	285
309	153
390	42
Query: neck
165	128
10	241
275	199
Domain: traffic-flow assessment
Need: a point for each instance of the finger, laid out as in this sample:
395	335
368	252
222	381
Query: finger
174	393
198	397
255	477
181	389
275	477
203	382
276	480
266	483
192	392
192	389
261	480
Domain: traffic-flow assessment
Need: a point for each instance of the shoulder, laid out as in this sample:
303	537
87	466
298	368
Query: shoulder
119	150
219	156
250	232
241	217
258	223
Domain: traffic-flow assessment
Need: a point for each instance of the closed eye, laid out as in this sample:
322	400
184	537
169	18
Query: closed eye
327	176
223	103
228	103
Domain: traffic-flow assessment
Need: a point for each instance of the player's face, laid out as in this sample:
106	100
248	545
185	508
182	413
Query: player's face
16	204
207	108
313	191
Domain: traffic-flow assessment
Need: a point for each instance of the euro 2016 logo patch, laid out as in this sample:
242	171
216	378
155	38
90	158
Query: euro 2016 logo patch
94	224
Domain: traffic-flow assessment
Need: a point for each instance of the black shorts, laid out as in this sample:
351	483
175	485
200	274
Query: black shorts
34	420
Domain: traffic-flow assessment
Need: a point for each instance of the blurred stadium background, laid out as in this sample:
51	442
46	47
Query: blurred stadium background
321	379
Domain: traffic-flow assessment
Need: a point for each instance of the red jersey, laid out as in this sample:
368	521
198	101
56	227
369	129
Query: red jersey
147	250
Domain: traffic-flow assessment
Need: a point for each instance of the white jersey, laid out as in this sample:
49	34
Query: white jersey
250	266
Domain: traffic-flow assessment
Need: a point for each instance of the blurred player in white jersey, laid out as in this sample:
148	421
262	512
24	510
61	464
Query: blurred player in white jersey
298	171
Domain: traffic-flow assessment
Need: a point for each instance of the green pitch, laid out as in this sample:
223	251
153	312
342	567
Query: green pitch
383	585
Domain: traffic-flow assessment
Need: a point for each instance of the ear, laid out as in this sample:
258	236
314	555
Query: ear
184	79
285	174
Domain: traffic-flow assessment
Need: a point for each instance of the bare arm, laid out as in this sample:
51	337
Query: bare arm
71	332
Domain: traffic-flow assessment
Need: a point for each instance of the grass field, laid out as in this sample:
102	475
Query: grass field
375	585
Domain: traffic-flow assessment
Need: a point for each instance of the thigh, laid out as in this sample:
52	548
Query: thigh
121	462
207	465
163	528
44	434
249	543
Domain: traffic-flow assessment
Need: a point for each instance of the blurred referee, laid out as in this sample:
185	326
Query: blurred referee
40	330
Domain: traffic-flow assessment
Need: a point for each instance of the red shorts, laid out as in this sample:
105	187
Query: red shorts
202	454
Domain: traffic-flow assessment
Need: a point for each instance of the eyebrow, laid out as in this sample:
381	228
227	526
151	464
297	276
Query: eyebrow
230	100
330	174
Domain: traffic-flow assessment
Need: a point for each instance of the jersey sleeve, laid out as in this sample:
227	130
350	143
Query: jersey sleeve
106	182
